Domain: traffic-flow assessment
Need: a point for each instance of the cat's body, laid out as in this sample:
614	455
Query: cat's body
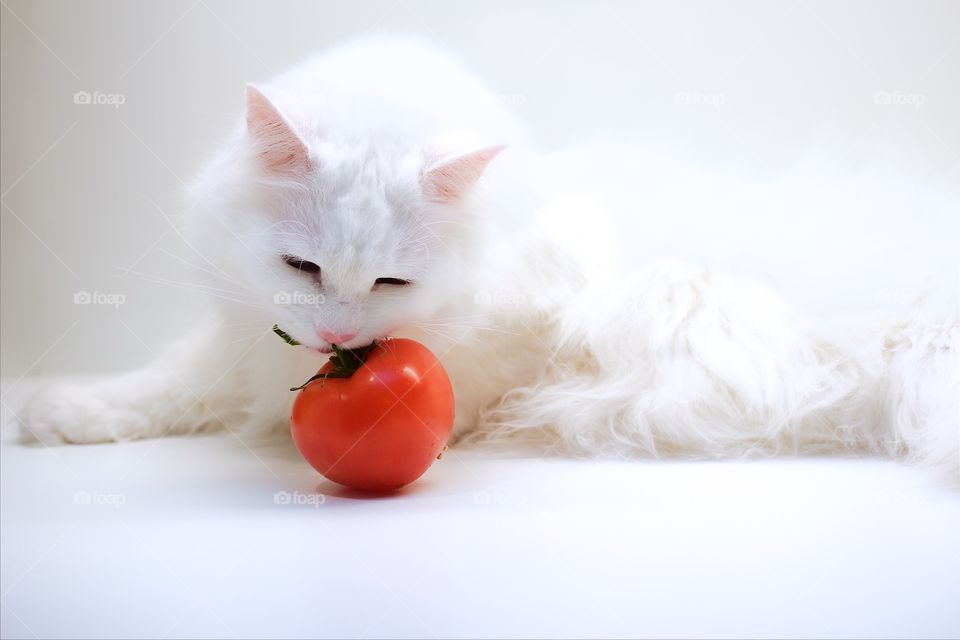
350	206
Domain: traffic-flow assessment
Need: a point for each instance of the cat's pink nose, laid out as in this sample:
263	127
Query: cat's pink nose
336	338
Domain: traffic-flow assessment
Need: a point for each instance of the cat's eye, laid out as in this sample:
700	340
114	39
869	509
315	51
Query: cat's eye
301	265
397	282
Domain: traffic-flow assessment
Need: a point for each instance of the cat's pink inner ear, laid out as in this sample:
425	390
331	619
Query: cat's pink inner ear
277	144
451	178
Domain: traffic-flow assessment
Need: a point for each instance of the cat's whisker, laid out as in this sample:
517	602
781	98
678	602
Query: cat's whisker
249	324
243	338
433	223
196	285
296	236
198	267
480	317
408	244
433	332
442	239
187	242
289	237
278	223
468	327
242	323
193	288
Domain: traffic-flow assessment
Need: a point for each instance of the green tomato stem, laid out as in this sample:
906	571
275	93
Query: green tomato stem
345	361
286	336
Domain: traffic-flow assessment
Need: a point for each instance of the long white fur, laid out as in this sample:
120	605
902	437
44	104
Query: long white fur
544	341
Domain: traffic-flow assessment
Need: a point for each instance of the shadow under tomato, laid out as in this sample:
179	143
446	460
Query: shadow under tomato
334	490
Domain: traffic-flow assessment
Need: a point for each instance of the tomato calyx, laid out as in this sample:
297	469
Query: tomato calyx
345	362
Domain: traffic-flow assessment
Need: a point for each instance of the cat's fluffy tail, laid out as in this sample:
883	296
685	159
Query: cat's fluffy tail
678	361
915	364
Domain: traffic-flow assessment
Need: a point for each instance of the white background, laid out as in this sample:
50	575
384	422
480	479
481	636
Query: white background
761	144
184	538
747	135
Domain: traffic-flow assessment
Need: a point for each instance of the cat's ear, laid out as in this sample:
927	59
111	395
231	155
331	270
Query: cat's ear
279	147
451	178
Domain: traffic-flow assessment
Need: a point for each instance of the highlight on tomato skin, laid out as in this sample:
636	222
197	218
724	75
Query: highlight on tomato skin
383	426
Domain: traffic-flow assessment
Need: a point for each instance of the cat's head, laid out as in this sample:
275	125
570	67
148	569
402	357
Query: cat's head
348	240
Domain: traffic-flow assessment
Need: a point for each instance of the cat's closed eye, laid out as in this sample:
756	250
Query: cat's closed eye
397	282
302	265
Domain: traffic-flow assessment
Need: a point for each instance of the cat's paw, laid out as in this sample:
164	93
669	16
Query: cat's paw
71	413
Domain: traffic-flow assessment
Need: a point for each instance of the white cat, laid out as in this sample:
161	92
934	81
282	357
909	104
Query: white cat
368	194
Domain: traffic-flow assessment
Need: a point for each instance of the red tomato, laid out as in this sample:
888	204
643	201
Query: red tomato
382	427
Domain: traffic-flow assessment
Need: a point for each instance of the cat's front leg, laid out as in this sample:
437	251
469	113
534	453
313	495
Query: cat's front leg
196	385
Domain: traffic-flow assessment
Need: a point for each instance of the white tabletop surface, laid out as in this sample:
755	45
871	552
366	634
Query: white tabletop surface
187	537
